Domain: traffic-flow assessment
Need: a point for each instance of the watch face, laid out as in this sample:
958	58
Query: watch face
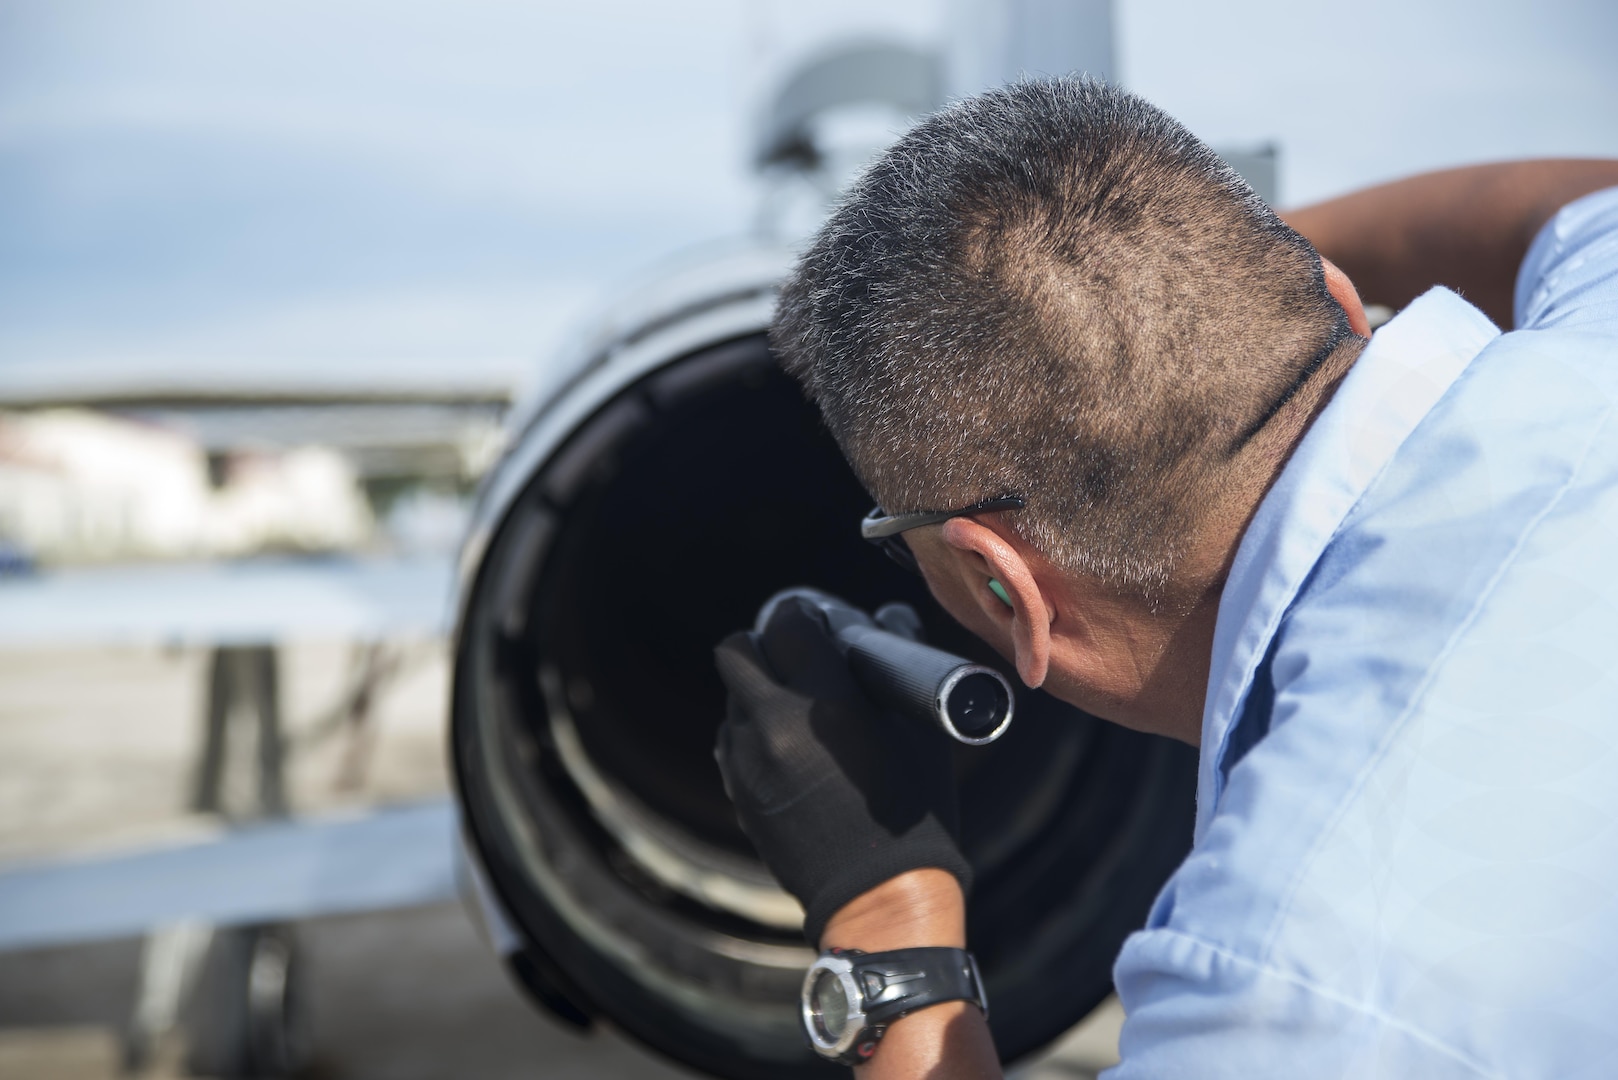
828	1005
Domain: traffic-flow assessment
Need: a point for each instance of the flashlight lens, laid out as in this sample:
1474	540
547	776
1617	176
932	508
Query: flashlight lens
977	704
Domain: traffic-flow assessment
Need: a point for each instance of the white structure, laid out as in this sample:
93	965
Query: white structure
993	42
77	485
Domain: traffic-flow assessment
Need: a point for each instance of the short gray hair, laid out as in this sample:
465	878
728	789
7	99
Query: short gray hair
1054	290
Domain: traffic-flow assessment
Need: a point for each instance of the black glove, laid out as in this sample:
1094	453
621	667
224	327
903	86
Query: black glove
837	795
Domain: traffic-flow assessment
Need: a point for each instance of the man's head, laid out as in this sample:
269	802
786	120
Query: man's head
1055	291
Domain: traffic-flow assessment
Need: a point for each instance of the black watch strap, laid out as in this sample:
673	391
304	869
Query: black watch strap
901	981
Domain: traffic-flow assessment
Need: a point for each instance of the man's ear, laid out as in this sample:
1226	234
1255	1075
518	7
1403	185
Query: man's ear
982	555
1343	291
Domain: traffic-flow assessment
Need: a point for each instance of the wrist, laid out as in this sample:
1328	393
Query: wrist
952	1036
916	908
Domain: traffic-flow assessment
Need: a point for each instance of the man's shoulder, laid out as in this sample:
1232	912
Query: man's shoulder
1411	865
1515	451
1423	836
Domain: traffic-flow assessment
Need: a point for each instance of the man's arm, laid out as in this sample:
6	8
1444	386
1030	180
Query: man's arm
855	813
1466	228
944	1042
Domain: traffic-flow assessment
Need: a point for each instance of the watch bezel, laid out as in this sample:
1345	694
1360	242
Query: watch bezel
842	966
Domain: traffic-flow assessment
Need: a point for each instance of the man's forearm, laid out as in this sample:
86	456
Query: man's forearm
1466	228
944	1042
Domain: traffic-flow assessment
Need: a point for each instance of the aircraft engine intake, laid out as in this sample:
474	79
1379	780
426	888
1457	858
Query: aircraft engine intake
641	512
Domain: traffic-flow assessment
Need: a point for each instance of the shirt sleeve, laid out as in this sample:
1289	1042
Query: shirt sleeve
1196	1012
1569	279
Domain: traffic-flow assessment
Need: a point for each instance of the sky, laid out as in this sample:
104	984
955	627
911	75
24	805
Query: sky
201	191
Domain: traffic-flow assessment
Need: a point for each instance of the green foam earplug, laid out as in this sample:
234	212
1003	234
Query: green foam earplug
1000	591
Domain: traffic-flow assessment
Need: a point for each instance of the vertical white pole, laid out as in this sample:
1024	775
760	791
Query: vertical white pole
993	42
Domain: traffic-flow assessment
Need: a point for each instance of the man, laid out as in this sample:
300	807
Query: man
1371	580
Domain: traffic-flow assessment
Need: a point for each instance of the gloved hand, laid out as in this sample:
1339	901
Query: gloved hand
837	795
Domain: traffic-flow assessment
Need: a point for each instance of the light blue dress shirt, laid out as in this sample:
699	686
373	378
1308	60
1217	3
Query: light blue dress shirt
1406	859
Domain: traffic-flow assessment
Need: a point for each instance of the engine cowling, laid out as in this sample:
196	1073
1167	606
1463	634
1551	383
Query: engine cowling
641	511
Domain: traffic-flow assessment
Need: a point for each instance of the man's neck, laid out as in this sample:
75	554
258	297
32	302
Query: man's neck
1209	555
1188	613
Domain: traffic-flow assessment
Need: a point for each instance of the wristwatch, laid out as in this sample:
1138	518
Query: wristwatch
850	997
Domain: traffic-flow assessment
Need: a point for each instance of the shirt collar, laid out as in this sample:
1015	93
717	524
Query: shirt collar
1409	364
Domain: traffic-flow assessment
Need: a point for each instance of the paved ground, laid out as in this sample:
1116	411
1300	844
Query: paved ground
96	749
406	995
